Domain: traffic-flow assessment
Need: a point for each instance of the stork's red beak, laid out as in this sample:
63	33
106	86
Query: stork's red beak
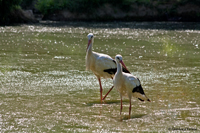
124	65
89	42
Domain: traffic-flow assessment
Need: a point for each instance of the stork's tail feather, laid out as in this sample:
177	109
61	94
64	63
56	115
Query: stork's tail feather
141	100
149	100
139	93
138	89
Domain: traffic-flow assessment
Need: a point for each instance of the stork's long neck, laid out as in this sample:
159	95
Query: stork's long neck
89	50
89	57
119	68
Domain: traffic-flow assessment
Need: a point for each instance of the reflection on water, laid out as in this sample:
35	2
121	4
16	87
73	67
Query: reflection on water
45	88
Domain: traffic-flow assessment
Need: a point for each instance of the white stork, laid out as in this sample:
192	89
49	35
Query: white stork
127	84
101	65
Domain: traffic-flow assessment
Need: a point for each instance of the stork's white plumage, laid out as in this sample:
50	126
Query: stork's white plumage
101	65
127	84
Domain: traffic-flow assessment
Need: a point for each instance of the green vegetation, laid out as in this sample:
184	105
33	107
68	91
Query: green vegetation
7	7
88	6
82	6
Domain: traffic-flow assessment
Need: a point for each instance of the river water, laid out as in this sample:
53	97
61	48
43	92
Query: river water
45	88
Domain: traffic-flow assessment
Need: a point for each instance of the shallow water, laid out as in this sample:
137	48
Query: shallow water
45	88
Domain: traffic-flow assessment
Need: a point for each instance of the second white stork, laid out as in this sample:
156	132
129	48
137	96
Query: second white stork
101	65
127	84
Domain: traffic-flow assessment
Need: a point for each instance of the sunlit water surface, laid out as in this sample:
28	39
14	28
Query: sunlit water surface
44	86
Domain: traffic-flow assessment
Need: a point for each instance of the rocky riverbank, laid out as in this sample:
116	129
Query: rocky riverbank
108	12
189	12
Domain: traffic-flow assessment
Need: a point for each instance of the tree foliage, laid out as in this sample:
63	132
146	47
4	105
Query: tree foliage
49	6
7	6
88	6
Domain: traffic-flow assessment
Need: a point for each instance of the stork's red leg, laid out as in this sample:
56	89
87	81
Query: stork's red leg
108	92
101	89
121	107
130	109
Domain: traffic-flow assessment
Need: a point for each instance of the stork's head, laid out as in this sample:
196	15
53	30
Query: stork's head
90	39
90	36
118	59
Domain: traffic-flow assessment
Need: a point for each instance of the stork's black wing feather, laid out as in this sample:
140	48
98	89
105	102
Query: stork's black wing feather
112	71
138	89
125	70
